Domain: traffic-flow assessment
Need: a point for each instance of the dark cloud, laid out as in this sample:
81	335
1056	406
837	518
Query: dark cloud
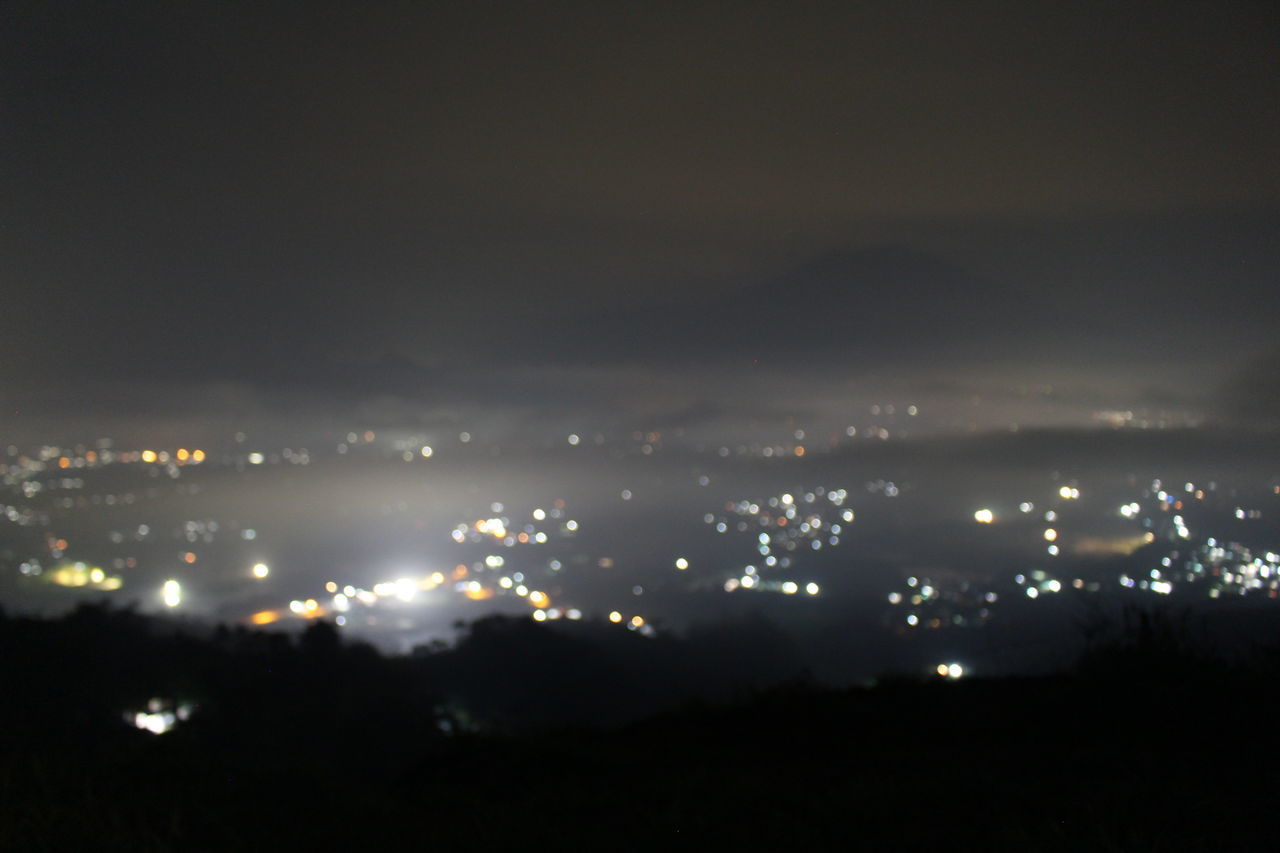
388	197
1252	394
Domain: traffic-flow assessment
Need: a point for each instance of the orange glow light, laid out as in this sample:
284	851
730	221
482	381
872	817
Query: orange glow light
264	617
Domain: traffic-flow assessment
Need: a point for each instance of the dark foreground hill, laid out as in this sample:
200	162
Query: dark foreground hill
316	743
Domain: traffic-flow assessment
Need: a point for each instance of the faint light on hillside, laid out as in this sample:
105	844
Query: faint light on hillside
160	716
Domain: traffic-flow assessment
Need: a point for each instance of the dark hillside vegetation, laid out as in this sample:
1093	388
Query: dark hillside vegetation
517	734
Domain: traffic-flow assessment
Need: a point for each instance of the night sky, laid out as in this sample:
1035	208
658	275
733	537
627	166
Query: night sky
480	202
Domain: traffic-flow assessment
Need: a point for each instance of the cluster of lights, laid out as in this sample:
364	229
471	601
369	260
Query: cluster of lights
935	604
635	623
160	716
500	528
1221	568
1039	582
84	575
784	526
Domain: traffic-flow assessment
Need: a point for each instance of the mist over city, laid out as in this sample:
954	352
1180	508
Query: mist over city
476	381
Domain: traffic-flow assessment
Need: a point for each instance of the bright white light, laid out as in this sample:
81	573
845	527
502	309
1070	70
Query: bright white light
984	516
811	588
256	458
1050	534
427	451
790	588
574	439
157	723
682	564
539	616
405	589
172	593
261	570
955	670
913	619
615	616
